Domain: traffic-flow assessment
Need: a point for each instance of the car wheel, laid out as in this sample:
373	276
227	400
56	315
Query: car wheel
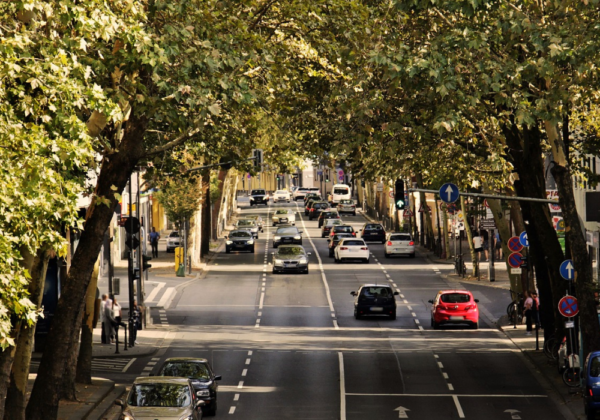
367	260
475	325
386	255
411	256
336	259
252	250
393	316
383	241
275	245
274	224
435	325
306	272
590	413
212	411
356	315
353	213
330	254
227	251
274	271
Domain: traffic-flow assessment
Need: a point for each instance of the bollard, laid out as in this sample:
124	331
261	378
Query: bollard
125	329
516	315
537	337
117	341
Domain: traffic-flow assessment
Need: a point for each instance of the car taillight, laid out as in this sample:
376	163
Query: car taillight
411	243
364	248
353	233
468	307
343	248
591	392
389	243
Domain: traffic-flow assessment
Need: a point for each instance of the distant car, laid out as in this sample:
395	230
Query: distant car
313	196
309	204
374	299
199	371
335	240
281	195
302	191
258	219
347	206
339	192
317	208
328	214
328	224
399	244
284	217
373	232
351	249
259	197
591	382
454	307
342	229
290	258
287	235
249	225
239	240
161	397
173	241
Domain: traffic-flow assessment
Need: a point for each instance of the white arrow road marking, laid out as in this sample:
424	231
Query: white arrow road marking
402	412
449	191
513	414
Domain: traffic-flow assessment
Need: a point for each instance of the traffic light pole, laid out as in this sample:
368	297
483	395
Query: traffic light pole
130	264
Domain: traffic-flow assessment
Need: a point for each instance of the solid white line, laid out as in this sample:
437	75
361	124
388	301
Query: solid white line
128	365
342	387
461	413
356	394
262	300
241	384
154	292
232	409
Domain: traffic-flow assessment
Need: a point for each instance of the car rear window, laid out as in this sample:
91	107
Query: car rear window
376	292
340	190
400	238
373	227
343	229
595	367
320	206
455	298
359	243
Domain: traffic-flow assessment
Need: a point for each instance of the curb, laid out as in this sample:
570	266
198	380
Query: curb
106	403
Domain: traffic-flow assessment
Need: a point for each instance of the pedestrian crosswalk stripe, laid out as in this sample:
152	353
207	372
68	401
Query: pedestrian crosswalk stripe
112	365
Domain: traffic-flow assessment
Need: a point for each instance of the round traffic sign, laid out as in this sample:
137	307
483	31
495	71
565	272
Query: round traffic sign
567	270
568	306
514	244
523	239
449	193
515	260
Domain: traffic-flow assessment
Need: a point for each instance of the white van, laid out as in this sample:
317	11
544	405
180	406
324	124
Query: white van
340	192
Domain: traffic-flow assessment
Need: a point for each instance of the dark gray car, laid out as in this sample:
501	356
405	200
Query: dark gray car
239	240
290	258
287	235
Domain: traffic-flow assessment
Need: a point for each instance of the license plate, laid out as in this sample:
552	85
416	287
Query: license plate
283	220
289	265
376	309
456	318
397	249
286	240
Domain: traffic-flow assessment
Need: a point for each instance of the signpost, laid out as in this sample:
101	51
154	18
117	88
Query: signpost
515	260
514	244
487	224
523	239
568	306
449	193
567	270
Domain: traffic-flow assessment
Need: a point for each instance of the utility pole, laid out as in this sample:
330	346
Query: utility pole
130	262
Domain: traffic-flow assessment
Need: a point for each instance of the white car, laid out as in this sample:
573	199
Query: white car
399	244
249	225
340	192
302	191
173	241
287	217
281	195
351	249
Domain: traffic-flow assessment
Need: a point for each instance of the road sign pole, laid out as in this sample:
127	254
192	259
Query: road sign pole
492	251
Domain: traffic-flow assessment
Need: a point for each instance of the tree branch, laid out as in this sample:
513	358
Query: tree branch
182	138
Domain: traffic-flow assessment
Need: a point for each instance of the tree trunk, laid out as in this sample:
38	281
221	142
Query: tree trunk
217	204
19	376
84	360
463	207
68	391
525	153
206	223
6	362
115	172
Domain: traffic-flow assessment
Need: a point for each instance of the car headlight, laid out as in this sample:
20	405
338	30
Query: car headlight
303	261
278	262
127	416
297	237
229	242
277	238
250	242
203	393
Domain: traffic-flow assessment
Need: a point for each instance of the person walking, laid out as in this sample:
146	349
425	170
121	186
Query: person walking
102	320
498	246
154	236
486	243
528	311
117	312
136	315
536	309
109	322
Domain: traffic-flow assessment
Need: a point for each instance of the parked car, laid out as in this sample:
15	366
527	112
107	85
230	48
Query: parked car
281	195
374	299
249	225
258	219
373	232
399	244
347	206
161	397
328	224
317	208
335	240
327	214
239	240
351	249
454	307
290	258
591	383
259	197
199	371
342	229
173	241
284	217
287	235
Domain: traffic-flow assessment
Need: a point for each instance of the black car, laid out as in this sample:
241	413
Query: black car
316	209
374	299
312	196
239	240
309	204
200	373
259	197
335	240
290	258
287	235
327	214
373	232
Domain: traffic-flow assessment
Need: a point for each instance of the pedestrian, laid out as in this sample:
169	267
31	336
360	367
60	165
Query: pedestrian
103	332
109	322
486	243
528	311
498	246
117	313
136	325
536	309
477	244
153	237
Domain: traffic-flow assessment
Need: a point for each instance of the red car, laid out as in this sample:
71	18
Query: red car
454	307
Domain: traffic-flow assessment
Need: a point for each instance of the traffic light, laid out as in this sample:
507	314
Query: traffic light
136	274
399	195
257	154
525	262
145	264
132	241
326	175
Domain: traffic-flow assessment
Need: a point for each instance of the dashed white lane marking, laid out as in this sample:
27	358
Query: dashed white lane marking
405	301
247	361
450	387
413	314
249	352
440	365
232	409
409	308
257	325
445	375
244	372
402	296
236	397
240	384
262	300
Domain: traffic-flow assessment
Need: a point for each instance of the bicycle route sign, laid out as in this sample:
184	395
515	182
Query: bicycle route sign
514	244
515	260
568	306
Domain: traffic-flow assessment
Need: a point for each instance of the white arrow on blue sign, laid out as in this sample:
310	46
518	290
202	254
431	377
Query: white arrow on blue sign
523	239
567	270
449	193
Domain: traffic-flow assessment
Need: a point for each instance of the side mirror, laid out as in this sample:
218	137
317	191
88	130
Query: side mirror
120	403
353	293
476	300
299	231
396	293
218	377
328	240
430	301
309	253
200	404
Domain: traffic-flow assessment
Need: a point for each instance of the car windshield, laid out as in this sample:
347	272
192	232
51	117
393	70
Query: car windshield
281	212
160	395
241	234
280	192
343	229
191	370
330	215
356	243
340	190
595	367
374	291
346	202
400	238
292	250
246	223
174	234
373	227
455	298
331	222
286	230
257	192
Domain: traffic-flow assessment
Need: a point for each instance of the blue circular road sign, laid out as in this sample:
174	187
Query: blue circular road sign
449	193
523	239
515	260
567	270
568	306
514	244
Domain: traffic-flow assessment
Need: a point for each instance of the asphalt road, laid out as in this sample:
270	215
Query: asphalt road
288	346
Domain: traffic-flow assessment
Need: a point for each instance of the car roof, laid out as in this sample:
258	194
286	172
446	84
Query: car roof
454	291
162	380
376	285
186	359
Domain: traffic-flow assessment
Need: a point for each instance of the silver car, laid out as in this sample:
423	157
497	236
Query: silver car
173	241
287	217
258	219
161	397
290	258
347	206
249	225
